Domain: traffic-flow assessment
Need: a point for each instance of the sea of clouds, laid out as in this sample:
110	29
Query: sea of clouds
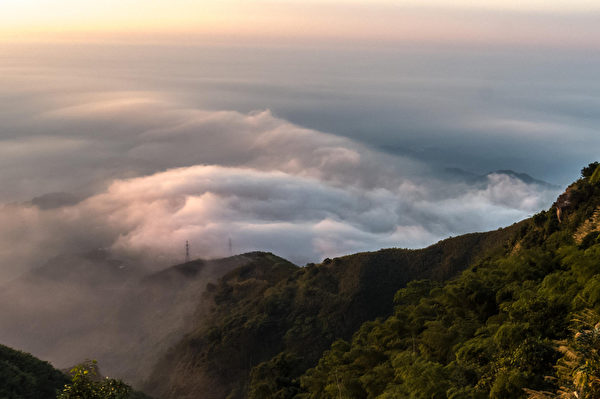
139	175
306	152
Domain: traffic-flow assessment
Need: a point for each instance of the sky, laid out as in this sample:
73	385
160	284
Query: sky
310	129
502	22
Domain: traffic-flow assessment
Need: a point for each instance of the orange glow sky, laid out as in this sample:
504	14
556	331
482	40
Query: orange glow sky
553	22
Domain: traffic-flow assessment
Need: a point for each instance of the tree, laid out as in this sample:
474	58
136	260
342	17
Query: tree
578	371
87	384
589	170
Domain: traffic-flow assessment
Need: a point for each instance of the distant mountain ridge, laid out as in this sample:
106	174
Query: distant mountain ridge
469	177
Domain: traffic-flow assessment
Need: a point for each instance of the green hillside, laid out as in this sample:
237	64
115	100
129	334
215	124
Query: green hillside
510	326
23	376
271	320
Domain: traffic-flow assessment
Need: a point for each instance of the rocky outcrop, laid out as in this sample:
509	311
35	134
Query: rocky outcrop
563	203
590	225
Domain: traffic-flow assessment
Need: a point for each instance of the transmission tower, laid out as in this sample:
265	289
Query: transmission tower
187	251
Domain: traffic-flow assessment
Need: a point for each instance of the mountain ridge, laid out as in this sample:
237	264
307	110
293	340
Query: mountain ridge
471	177
250	311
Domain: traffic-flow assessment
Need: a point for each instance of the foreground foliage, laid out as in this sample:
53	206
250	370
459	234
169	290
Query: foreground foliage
578	370
86	383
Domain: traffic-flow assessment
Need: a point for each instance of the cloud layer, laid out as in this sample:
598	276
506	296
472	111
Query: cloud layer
139	148
263	182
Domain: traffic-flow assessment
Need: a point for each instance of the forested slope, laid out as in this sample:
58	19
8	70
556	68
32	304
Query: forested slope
271	320
23	376
499	330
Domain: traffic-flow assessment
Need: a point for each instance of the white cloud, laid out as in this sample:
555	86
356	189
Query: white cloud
263	182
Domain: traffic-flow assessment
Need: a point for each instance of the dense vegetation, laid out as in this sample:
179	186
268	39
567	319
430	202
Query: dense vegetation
578	370
272	320
492	332
23	376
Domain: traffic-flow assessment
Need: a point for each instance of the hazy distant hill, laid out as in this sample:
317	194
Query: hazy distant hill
458	174
92	306
161	309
